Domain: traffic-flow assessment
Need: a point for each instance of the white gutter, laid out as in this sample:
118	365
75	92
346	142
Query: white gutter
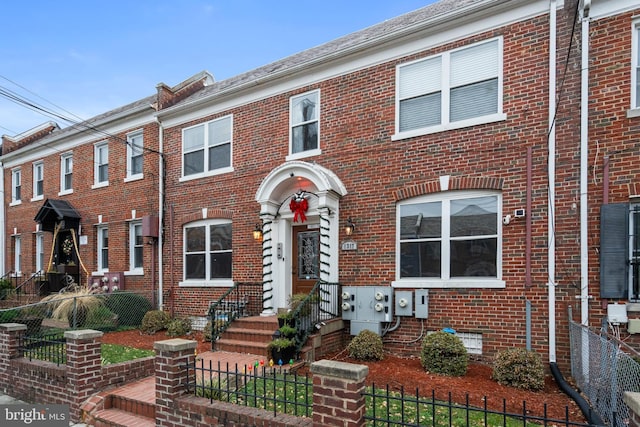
584	165
160	210
551	286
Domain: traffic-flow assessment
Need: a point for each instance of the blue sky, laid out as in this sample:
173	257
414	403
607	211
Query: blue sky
88	57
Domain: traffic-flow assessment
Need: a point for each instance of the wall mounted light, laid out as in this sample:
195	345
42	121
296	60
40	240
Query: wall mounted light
349	227
257	233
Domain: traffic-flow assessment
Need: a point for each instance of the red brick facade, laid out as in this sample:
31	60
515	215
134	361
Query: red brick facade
367	171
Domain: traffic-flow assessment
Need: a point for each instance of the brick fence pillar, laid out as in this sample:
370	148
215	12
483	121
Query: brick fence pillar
10	334
172	358
84	367
338	398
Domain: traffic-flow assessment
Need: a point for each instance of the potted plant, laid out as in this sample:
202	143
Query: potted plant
282	350
285	317
287	331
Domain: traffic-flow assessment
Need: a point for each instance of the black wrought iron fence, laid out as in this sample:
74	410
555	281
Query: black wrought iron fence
272	388
320	305
48	347
397	408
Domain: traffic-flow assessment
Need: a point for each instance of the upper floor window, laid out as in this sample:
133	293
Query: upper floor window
207	251
135	144
103	248
135	246
16	185
38	180
454	89
206	148
446	239
66	173
635	71
101	164
304	118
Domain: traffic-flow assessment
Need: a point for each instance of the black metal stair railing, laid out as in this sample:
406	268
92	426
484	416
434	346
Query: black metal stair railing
241	300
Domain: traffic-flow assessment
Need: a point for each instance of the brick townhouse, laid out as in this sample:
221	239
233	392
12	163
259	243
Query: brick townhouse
468	147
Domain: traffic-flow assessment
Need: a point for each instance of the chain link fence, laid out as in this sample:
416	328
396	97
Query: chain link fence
81	308
603	368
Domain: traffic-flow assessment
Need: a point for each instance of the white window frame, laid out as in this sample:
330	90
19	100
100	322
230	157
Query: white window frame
101	248
66	169
445	90
38	177
135	149
100	160
292	101
445	281
635	69
17	251
16	186
39	236
133	226
206	145
206	282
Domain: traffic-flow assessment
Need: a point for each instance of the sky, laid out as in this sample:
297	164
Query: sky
83	58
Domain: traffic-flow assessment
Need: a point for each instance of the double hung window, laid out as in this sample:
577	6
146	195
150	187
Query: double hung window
38	180
16	186
206	148
135	149
103	248
101	164
635	68
304	118
458	88
66	173
135	247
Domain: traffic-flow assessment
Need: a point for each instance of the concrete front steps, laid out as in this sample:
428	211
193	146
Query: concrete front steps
249	335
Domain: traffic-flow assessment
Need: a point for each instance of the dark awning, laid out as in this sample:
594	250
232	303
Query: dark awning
54	211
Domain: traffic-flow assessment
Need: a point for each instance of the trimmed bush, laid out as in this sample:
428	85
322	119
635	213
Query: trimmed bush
444	353
206	332
178	327
129	307
154	321
366	345
520	368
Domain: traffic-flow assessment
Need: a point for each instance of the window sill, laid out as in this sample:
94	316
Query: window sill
100	185
303	154
205	284
633	112
15	203
471	283
206	174
498	117
134	178
136	272
37	198
65	192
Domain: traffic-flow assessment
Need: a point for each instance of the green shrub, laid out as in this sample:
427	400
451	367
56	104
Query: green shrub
520	368
178	327
444	353
206	332
366	345
6	288
102	319
130	308
8	316
154	321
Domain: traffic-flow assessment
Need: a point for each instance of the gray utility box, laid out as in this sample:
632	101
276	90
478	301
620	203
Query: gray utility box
367	306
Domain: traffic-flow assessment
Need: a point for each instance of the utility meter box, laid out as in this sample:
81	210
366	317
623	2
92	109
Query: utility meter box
422	303
404	303
617	313
367	306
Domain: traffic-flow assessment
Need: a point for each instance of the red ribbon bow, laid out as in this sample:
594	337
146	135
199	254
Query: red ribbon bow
299	206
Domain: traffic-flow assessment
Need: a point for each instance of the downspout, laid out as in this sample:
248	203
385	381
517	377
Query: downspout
552	182
160	210
584	165
3	243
